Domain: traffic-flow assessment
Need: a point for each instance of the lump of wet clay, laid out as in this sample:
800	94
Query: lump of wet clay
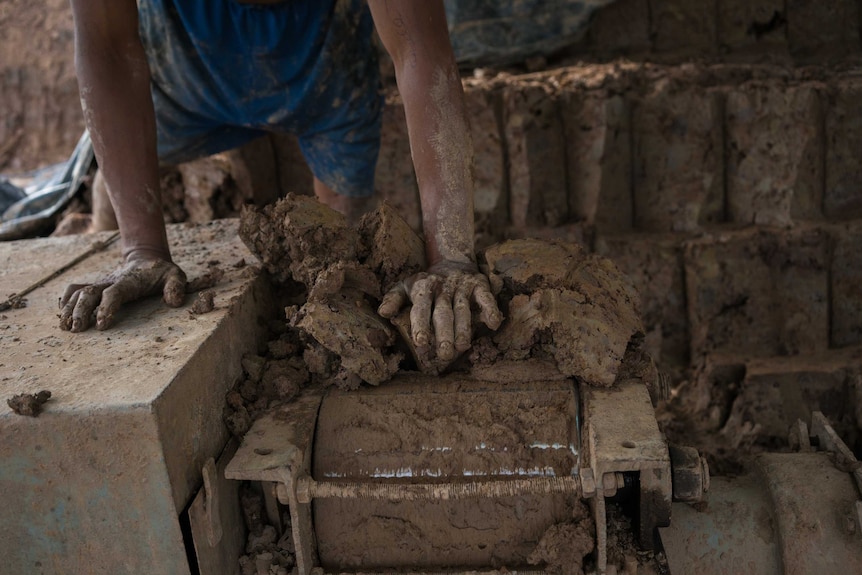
298	238
204	303
564	546
351	329
577	308
395	251
28	404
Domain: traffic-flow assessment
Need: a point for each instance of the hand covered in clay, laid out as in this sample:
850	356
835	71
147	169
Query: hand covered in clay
441	314
140	276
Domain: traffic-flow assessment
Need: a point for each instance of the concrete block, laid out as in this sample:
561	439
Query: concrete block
847	286
394	177
817	29
536	151
679	171
774	156
97	483
598	158
489	167
758	293
842	198
752	25
776	392
684	26
654	263
622	27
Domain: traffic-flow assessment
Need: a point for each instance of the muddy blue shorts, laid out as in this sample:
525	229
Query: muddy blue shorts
224	73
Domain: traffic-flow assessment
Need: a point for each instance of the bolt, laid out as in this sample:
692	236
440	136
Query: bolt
611	482
588	483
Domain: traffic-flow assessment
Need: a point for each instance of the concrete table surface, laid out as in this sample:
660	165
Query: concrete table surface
97	482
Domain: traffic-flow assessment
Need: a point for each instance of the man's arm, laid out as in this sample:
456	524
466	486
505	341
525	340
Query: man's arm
415	35
114	81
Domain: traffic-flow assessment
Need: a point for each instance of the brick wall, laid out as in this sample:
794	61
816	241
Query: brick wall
732	195
803	31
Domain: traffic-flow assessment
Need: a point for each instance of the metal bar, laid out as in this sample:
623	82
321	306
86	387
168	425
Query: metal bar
308	489
95	248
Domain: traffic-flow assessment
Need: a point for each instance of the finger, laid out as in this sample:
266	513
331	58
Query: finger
463	317
393	301
175	288
444	332
88	300
422	295
70	291
68	308
489	313
112	299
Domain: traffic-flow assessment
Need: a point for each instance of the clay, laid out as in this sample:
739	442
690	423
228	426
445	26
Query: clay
298	238
563	547
395	250
206	281
352	330
578	309
28	404
204	303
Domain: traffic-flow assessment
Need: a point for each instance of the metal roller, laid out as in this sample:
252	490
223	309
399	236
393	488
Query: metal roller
435	474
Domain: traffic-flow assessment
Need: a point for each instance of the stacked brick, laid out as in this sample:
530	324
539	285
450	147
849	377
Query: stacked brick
732	195
804	31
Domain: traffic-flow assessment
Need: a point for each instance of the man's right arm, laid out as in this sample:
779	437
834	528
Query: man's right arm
114	81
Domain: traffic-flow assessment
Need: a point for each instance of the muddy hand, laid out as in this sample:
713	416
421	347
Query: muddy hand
442	299
138	277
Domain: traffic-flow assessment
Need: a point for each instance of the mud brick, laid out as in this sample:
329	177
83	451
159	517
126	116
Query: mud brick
622	27
536	152
253	167
778	391
758	292
489	196
394	178
654	263
842	198
774	154
817	29
847	286
598	153
293	172
687	26
745	25
679	172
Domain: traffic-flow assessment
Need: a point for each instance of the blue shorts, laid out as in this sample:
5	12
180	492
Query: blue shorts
224	73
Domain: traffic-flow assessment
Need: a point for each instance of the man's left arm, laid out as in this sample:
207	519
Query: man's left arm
416	36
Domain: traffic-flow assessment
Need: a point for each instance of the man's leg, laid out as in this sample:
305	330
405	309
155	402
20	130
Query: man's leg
352	208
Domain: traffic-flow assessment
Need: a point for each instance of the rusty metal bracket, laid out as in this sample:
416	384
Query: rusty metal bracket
621	435
278	448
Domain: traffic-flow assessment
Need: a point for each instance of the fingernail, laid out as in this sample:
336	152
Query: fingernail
446	351
76	325
422	338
